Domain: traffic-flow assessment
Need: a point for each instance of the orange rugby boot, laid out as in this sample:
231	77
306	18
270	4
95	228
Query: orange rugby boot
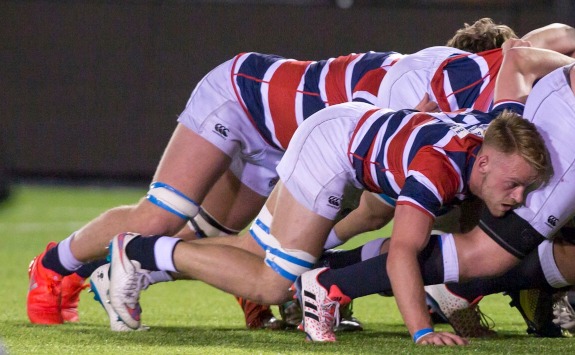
71	287
44	292
259	316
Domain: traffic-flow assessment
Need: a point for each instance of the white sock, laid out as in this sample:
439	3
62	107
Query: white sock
332	240
160	276
372	248
450	260
550	270
164	253
66	257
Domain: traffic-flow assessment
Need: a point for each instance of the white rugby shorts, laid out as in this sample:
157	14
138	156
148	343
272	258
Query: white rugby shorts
214	113
315	168
551	107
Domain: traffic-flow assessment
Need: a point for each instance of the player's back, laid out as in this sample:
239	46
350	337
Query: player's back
279	93
453	78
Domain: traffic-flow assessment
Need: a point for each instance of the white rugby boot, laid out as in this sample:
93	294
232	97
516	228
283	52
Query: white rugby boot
100	286
127	280
320	308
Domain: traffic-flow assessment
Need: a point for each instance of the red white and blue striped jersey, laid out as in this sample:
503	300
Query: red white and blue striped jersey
278	94
420	159
467	81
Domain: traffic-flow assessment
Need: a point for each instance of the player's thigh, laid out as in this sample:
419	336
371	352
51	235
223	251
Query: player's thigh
191	164
233	204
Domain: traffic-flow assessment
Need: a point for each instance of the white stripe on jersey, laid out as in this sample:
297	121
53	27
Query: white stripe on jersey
349	74
321	84
427	183
451	99
414	202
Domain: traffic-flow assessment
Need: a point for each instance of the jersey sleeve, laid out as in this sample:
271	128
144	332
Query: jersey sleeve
431	182
510	105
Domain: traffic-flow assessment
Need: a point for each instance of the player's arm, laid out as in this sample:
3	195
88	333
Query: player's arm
411	230
556	36
521	67
371	214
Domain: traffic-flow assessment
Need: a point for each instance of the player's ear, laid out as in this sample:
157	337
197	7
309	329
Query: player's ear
482	162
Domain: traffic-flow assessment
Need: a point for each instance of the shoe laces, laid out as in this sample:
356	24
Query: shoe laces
472	322
139	281
330	311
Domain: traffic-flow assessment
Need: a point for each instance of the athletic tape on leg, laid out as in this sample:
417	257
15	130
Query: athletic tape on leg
204	225
172	200
288	263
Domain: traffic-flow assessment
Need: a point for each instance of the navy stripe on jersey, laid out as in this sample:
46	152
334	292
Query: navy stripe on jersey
311	103
440	150
423	195
305	88
392	126
255	66
466	87
369	61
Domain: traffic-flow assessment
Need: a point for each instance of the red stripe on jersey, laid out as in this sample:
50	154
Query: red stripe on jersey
282	97
494	59
335	88
398	146
437	168
371	81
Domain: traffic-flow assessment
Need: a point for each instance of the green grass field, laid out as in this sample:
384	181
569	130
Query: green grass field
190	317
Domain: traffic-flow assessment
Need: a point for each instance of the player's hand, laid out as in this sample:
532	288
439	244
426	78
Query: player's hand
426	105
442	339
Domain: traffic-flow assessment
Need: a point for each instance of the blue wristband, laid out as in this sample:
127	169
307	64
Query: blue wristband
421	333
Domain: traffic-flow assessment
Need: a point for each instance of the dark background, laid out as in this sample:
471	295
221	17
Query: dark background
92	89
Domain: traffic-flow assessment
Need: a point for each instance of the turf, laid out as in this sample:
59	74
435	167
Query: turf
191	317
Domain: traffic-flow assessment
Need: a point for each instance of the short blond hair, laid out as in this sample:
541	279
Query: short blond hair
483	35
510	133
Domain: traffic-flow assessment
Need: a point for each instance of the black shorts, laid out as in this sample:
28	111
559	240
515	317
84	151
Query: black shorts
511	232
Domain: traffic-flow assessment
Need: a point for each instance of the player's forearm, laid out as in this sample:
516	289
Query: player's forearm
557	36
407	286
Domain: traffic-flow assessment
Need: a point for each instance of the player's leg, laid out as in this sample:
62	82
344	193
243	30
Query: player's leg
90	242
306	202
236	267
221	219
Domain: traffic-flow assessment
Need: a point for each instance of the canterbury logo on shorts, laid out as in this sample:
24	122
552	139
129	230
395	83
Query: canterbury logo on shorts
334	202
221	130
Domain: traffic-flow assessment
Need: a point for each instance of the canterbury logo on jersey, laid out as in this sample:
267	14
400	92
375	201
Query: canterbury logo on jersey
334	201
221	130
552	220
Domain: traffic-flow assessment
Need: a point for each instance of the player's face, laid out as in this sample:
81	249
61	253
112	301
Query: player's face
505	182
